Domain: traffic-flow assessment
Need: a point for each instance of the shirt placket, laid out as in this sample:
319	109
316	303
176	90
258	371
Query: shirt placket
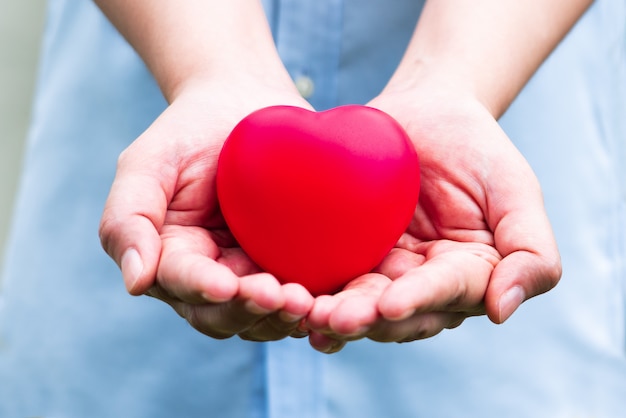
308	38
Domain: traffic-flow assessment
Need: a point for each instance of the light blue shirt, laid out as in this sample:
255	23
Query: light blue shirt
74	344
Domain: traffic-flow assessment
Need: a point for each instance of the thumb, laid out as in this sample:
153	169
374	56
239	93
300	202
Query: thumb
130	224
531	264
517	278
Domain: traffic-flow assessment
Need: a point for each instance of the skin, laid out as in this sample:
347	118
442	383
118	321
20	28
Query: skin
480	242
161	222
472	238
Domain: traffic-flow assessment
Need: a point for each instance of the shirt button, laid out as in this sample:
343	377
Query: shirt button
305	86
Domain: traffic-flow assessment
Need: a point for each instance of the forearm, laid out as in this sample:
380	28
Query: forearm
184	41
487	49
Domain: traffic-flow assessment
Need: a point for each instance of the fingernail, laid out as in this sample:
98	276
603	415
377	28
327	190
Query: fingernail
132	267
510	301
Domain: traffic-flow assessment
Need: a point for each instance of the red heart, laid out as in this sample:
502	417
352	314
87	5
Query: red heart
318	198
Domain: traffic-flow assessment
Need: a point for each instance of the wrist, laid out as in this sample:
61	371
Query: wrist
189	41
216	104
245	72
229	85
429	83
486	50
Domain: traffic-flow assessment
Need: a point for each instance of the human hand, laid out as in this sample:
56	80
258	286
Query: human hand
163	226
480	241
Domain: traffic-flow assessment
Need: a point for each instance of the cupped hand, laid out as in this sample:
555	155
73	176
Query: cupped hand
480	241
162	223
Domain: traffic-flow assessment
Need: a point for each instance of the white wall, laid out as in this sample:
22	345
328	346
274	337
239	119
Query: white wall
21	25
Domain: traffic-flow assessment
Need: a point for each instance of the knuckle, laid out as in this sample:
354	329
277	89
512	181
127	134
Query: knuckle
552	271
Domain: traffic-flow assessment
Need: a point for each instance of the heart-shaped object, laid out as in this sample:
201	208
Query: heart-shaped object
318	198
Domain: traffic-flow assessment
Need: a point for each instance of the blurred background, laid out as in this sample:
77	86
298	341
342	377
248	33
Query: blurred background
21	26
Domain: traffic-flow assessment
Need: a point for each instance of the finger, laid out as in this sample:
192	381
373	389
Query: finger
205	318
416	327
325	344
452	281
188	269
398	262
350	312
129	227
355	314
260	297
301	330
518	277
289	320
298	303
237	261
269	328
209	318
353	317
531	263
319	317
285	322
